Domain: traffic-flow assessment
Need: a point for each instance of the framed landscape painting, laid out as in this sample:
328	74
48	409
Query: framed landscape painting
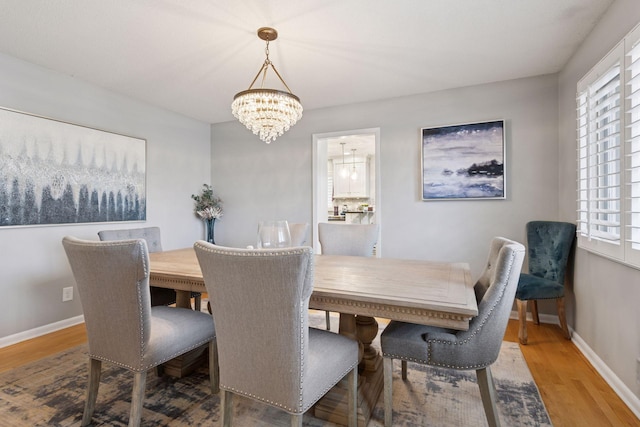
463	161
53	172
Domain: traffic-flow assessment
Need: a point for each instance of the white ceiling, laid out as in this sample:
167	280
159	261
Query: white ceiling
192	56
365	145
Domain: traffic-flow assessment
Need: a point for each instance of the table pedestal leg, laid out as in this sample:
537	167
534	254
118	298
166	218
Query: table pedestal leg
367	329
333	406
183	299
186	363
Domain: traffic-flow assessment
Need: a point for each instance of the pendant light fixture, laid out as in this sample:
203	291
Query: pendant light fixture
268	113
354	174
344	172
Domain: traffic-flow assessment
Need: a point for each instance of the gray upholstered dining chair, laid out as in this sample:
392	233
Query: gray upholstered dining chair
477	348
267	352
347	239
122	327
299	232
159	296
548	247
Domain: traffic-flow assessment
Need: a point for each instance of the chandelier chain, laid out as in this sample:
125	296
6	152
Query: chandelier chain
266	52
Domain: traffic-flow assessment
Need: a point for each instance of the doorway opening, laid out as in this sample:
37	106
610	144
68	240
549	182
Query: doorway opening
346	179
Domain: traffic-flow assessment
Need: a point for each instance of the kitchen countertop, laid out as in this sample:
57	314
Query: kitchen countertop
344	216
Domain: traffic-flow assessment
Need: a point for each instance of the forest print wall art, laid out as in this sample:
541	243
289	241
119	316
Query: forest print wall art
52	172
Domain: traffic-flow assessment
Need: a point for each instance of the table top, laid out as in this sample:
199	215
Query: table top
426	292
180	265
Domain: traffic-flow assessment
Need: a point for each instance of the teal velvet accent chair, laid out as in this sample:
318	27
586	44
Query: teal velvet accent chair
474	349
548	248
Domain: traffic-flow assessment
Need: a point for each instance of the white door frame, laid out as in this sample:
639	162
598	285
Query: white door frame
320	174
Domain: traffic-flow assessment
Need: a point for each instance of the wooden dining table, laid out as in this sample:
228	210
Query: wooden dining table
360	289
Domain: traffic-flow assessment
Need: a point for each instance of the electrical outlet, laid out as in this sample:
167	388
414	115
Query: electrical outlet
67	294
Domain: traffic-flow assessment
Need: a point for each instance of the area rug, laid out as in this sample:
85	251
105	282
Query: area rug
50	392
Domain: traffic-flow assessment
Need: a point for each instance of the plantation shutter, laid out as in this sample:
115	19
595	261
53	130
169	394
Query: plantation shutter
599	159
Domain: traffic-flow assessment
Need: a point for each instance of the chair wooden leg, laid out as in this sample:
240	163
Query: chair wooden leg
214	370
522	319
328	320
197	303
387	364
92	391
404	370
563	318
226	405
488	394
352	387
534	312
296	420
137	398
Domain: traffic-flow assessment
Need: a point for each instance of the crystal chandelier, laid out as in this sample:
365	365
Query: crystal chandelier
268	113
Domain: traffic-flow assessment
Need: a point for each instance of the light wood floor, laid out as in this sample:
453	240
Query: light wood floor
573	392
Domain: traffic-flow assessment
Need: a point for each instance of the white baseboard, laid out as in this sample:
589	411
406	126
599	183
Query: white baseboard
39	331
620	388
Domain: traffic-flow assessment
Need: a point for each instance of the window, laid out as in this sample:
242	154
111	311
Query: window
608	154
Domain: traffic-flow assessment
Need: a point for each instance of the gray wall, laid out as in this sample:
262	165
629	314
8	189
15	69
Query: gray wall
260	181
33	267
603	303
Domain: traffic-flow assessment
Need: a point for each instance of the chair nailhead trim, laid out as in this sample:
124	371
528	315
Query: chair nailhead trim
323	392
425	362
287	408
139	285
256	252
151	365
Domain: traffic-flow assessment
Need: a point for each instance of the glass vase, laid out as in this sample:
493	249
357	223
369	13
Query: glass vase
209	235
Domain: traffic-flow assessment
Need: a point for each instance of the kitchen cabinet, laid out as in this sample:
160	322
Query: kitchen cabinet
345	186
